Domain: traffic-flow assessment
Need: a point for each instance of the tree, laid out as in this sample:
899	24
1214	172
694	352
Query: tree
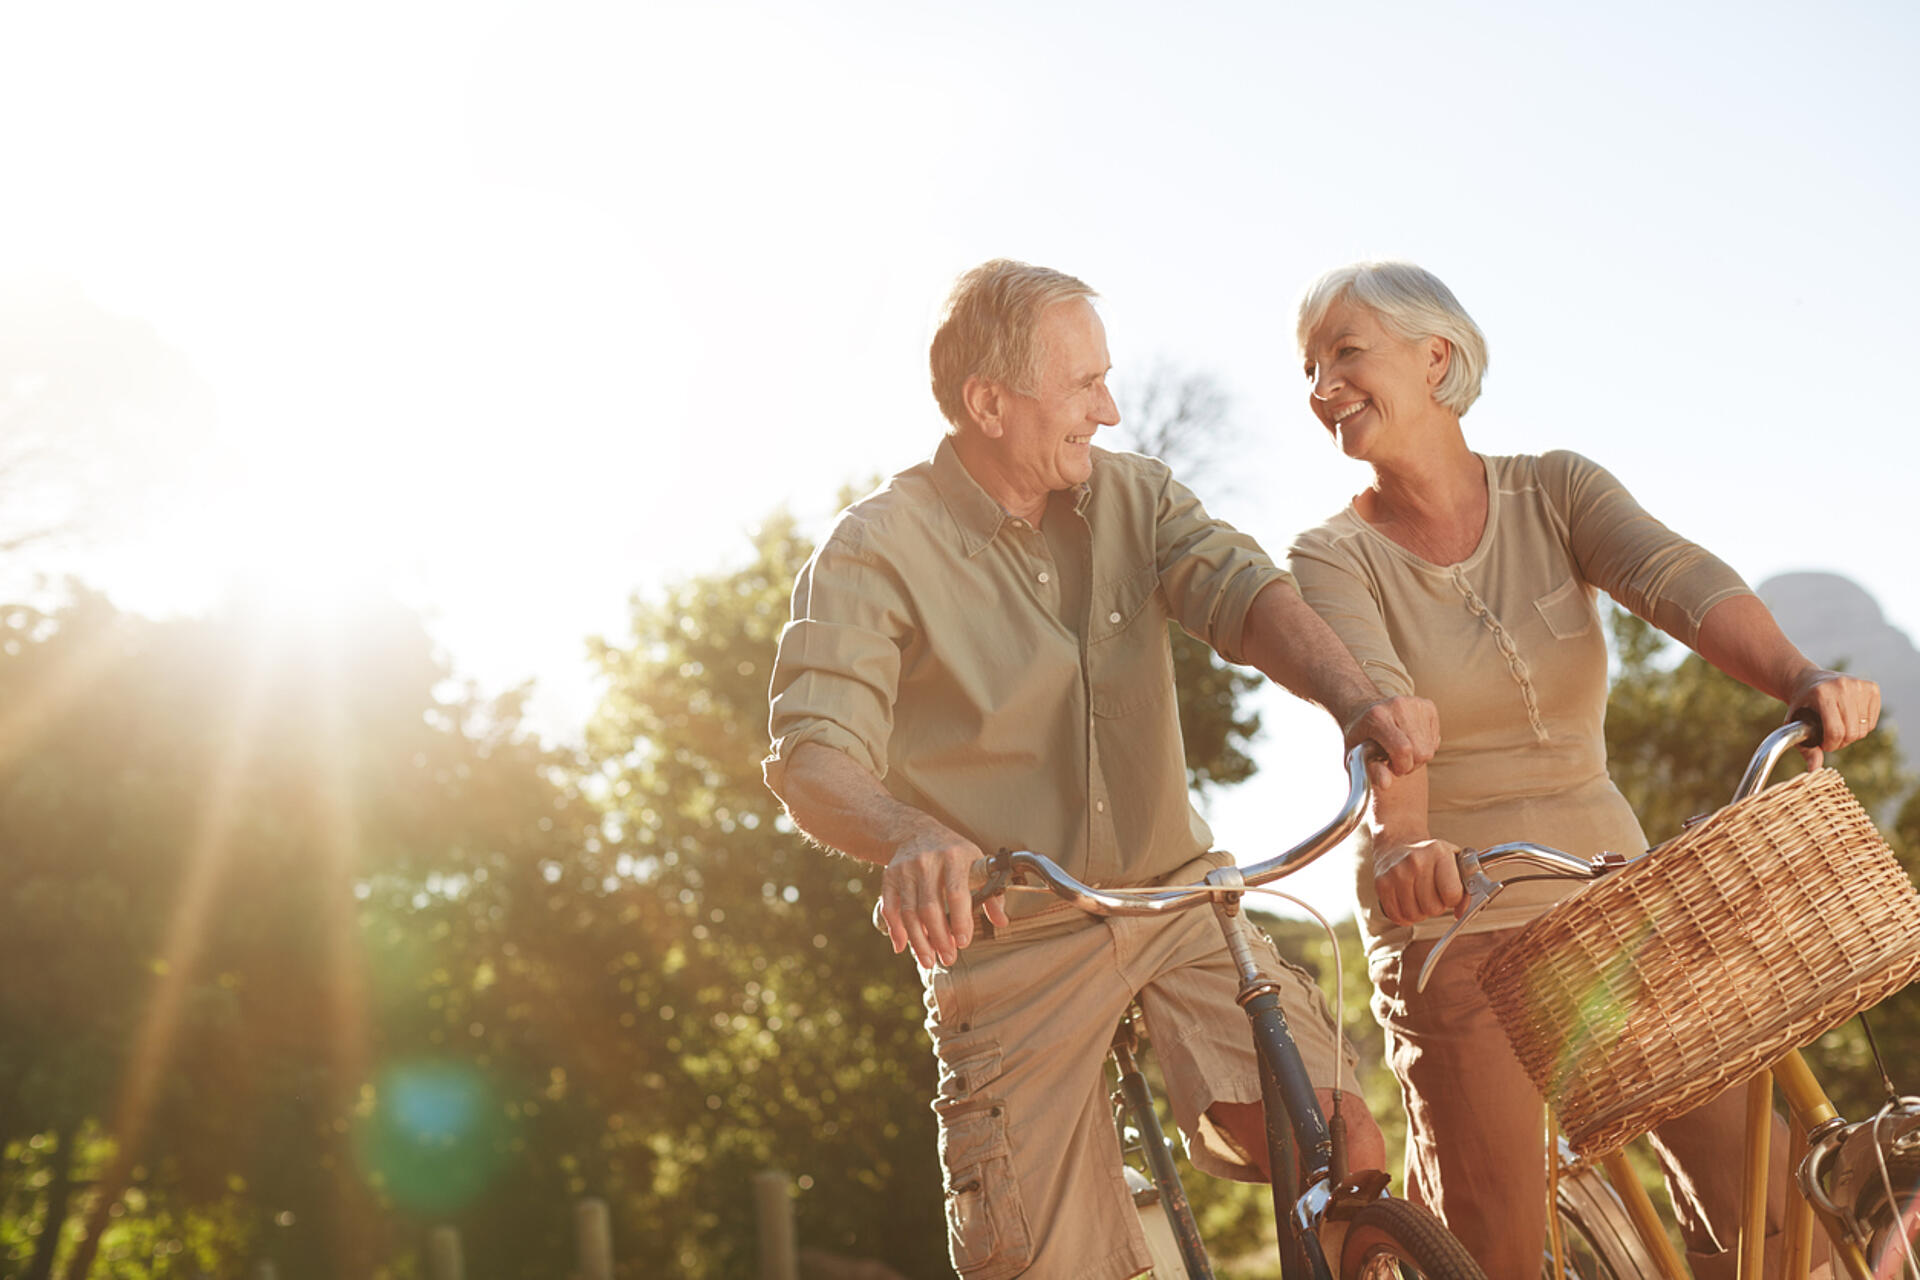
1184	418
210	826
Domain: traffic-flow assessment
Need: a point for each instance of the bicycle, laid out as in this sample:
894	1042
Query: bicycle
1843	1173
1383	1237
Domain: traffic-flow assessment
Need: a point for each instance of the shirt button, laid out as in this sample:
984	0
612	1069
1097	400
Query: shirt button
1099	806
1044	579
1114	616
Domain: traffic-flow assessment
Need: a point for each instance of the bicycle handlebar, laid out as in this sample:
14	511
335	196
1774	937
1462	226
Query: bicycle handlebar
1550	863
1015	869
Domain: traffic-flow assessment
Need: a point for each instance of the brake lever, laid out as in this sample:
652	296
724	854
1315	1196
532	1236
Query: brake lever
1480	891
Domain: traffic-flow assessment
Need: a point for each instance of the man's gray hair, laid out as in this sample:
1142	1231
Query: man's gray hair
1412	303
987	330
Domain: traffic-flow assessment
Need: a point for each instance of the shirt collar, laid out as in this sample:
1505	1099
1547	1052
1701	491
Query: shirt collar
975	513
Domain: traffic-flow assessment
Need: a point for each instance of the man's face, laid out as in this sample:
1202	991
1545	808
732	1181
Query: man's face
1046	439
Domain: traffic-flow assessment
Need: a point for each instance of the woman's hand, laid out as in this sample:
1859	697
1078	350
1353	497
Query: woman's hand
1848	707
1417	879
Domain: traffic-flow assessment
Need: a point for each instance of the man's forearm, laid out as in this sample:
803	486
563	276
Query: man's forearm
1290	644
839	804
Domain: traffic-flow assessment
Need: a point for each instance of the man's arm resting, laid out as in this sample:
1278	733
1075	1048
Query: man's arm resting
1290	644
925	895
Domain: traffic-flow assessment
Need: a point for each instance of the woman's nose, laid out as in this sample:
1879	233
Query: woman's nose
1325	384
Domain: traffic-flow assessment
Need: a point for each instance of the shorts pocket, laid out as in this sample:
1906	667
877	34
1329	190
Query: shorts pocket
987	1235
1566	610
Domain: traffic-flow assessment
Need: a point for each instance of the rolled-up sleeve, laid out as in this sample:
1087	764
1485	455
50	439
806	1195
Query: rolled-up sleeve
838	667
1210	571
1647	567
1347	603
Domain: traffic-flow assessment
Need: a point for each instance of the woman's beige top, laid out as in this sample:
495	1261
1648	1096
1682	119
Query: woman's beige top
1508	644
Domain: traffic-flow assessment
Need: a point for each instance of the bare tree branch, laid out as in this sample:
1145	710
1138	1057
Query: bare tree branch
1183	418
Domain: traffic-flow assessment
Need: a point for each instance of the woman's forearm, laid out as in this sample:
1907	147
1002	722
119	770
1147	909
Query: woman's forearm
1740	637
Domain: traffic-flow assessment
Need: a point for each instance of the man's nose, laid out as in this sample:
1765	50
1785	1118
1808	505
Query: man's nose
1107	413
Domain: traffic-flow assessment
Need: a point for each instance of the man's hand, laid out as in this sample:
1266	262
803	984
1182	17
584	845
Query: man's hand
926	896
925	902
1418	880
1406	728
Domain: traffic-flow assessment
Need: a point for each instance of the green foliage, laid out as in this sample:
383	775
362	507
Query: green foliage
218	832
1678	737
1212	727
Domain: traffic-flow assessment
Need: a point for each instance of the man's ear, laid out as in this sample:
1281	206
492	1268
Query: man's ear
1439	359
983	397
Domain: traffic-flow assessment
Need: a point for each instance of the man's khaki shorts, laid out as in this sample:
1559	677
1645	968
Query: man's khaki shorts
1021	1024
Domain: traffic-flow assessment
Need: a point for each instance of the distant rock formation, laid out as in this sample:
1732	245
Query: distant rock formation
1833	619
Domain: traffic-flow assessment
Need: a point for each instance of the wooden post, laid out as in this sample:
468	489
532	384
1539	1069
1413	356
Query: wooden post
593	1238
443	1255
773	1210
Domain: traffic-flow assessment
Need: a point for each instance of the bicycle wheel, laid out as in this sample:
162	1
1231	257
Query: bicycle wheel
1394	1240
1597	1237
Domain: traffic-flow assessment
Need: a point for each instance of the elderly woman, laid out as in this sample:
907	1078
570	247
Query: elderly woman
1470	580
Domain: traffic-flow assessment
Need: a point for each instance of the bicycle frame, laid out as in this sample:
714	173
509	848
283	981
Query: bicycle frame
1134	1097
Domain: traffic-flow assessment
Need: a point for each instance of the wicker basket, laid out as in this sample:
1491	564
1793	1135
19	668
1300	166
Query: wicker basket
1651	991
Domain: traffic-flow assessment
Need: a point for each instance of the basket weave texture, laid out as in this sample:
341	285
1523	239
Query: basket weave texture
1652	990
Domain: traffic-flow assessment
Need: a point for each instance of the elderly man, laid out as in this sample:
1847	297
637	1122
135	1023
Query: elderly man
978	657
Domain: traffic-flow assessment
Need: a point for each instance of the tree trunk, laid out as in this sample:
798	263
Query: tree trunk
59	1191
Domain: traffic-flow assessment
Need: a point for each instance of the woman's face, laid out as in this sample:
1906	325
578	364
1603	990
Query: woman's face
1368	385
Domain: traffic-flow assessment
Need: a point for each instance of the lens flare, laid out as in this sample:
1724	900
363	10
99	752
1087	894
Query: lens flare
436	1136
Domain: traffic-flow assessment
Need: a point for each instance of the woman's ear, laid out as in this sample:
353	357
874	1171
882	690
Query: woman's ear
982	398
1439	359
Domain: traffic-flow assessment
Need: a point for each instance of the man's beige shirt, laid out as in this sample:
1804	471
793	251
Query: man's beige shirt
1017	683
1508	645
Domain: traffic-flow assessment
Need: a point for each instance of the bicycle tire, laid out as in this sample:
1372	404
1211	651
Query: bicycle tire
1597	1235
1395	1240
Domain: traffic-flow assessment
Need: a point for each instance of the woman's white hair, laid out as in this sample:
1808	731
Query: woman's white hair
1412	303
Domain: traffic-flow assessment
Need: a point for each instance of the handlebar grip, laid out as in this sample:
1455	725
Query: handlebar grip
999	871
1810	717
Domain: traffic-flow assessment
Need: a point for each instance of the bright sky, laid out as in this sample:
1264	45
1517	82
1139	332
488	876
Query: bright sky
525	307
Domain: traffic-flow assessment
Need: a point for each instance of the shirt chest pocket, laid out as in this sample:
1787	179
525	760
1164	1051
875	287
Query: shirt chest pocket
1566	610
1129	660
